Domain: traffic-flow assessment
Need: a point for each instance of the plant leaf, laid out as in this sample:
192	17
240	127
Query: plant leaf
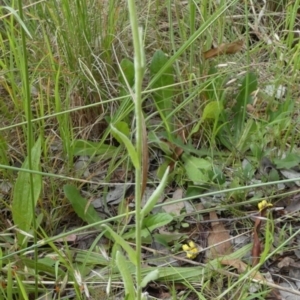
291	160
155	221
196	169
150	223
212	110
127	67
82	147
129	146
164	93
123	128
80	205
122	264
21	204
118	239
151	276
156	194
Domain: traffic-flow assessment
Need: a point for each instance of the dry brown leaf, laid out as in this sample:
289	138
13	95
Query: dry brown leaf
230	48
219	239
285	262
256	248
175	208
177	152
241	267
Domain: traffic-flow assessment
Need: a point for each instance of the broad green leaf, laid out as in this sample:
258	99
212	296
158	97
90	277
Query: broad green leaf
118	239
151	276
82	147
80	205
150	223
291	160
123	128
163	168
128	281
193	190
127	67
167	238
212	110
22	197
164	91
129	146
156	194
197	169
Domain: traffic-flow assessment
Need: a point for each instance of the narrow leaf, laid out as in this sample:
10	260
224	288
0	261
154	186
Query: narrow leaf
20	21
130	148
80	205
118	239
156	195
151	276
122	264
82	147
243	98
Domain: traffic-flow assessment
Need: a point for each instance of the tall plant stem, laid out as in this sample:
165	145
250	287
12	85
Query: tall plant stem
27	96
139	66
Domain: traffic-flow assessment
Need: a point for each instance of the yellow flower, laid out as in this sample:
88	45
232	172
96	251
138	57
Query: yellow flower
191	250
264	204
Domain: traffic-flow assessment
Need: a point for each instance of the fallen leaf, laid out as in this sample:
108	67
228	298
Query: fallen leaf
219	239
291	174
285	262
175	208
242	267
230	48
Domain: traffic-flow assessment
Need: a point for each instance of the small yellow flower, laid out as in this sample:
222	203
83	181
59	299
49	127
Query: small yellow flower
264	204
191	250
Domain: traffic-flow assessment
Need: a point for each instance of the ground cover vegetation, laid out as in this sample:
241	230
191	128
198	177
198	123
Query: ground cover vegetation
149	149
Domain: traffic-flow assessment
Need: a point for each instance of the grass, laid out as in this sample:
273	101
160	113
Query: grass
82	82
